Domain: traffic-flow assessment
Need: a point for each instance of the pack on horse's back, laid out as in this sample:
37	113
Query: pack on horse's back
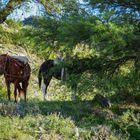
15	71
22	58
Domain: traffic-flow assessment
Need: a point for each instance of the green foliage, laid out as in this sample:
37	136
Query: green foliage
2	92
65	120
104	50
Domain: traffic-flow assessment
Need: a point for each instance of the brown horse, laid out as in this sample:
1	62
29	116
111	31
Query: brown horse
16	72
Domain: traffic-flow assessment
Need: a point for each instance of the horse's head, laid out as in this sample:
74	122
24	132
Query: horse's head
3	59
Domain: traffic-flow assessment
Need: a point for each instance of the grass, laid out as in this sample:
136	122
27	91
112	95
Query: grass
60	118
66	120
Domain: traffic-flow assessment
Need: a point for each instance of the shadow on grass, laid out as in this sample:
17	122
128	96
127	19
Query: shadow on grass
85	114
79	111
73	109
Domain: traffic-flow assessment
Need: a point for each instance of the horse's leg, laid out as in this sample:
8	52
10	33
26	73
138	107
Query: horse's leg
19	91
45	87
15	91
24	86
8	90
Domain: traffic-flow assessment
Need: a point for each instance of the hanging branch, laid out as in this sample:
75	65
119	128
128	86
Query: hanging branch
8	9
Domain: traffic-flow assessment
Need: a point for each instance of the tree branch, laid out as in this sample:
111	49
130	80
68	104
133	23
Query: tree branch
8	9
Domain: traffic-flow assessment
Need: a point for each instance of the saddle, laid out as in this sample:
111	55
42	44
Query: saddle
23	59
16	60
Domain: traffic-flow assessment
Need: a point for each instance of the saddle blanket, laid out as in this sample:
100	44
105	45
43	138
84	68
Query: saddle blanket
22	58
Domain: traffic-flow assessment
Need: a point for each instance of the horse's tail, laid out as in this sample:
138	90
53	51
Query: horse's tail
39	77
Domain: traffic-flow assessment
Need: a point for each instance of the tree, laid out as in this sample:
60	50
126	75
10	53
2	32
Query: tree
133	4
9	8
115	32
54	7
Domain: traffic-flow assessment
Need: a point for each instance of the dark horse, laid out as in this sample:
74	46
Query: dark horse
16	72
47	71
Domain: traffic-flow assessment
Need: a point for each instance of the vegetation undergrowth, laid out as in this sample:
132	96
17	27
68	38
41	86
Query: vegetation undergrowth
60	117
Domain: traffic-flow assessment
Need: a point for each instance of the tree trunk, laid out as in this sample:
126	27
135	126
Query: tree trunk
8	9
